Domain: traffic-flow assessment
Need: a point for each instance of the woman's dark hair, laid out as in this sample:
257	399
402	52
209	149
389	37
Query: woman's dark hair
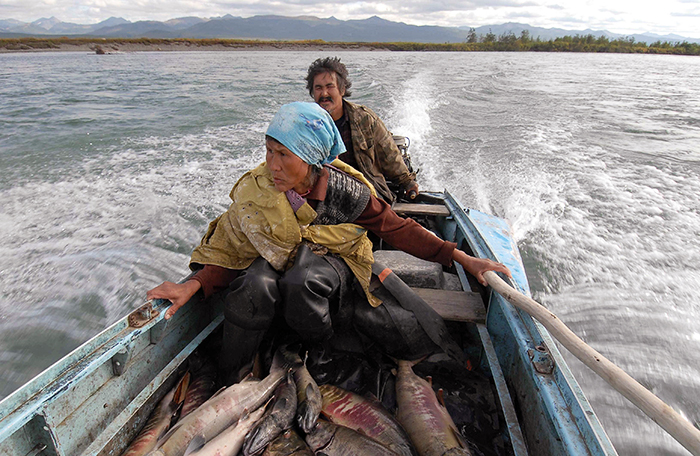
315	173
329	65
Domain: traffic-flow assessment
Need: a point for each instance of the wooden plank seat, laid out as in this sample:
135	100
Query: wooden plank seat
455	305
421	209
442	291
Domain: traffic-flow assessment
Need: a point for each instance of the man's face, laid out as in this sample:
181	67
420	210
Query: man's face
328	95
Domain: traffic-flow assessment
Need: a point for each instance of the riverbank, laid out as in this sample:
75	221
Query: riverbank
116	46
508	43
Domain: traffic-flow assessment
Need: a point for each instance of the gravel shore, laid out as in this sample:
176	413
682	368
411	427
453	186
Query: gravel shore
116	47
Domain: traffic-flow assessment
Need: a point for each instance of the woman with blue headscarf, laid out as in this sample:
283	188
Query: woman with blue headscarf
294	241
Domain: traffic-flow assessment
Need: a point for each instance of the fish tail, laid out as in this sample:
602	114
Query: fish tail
181	389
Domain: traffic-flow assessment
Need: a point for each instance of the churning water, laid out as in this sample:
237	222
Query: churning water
112	166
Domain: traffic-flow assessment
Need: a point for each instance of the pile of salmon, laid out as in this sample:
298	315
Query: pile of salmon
287	413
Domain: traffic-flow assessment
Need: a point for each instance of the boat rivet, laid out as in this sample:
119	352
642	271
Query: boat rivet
46	428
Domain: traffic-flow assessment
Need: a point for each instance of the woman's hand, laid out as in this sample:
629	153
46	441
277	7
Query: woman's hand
177	293
478	266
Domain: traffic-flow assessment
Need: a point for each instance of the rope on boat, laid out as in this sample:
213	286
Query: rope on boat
656	409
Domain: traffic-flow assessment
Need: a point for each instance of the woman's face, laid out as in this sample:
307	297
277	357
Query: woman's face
288	170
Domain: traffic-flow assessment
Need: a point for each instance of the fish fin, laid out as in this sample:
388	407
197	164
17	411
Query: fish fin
440	396
182	387
370	395
290	378
244	416
460	438
162	434
257	369
248	378
221	390
430	380
309	390
195	444
167	435
409	362
285	359
279	404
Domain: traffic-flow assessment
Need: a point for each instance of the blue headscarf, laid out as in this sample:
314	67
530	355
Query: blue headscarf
308	131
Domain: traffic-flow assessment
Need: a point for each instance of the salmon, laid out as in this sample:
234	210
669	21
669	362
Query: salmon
278	418
200	389
230	440
159	421
332	440
426	421
309	399
288	444
218	413
366	416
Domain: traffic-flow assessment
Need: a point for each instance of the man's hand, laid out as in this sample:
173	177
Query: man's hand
177	293
477	266
412	190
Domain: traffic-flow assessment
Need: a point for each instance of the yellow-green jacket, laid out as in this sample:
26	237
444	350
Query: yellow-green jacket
261	222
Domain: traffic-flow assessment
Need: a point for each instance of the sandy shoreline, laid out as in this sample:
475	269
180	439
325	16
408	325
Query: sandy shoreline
126	47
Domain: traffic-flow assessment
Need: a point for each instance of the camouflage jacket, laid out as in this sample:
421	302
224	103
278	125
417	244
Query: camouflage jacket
376	154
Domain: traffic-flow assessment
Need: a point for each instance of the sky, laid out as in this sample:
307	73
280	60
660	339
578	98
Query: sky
680	17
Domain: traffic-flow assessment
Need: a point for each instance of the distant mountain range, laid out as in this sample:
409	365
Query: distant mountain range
373	29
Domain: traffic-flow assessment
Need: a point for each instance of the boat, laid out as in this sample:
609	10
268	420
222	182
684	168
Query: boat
95	400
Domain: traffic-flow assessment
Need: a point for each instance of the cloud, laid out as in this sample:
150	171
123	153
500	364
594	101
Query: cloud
687	14
619	16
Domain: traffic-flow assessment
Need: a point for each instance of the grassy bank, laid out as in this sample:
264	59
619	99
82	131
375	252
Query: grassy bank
489	42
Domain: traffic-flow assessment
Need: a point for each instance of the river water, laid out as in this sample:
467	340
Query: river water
112	166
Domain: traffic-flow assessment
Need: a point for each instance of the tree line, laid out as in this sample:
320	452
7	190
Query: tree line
577	43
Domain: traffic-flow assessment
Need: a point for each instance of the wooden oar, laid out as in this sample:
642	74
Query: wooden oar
679	428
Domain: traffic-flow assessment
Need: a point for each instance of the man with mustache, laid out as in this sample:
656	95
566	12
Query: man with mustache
370	147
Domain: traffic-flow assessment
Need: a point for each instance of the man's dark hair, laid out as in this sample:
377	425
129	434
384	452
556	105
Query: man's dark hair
329	65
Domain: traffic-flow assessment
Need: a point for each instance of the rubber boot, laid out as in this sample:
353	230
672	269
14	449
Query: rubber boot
307	290
248	311
395	330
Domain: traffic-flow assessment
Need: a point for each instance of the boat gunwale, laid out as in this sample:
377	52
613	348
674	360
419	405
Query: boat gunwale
587	423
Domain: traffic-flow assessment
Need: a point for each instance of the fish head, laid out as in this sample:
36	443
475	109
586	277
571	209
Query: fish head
306	417
320	436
